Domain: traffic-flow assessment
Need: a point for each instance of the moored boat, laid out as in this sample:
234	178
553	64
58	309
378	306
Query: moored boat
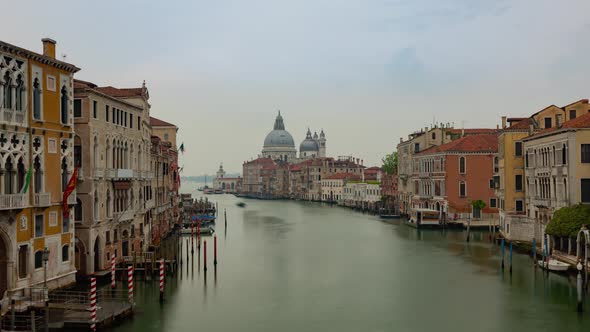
389	216
554	265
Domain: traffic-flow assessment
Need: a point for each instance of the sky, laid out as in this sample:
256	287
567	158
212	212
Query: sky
367	72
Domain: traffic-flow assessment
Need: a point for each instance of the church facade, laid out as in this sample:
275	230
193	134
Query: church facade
280	146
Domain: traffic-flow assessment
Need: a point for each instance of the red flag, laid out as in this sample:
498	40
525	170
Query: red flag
69	189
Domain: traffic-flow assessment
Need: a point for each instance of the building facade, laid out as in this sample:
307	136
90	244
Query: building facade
36	138
114	174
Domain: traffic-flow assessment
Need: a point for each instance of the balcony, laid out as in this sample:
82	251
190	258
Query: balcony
542	171
124	216
12	117
42	199
110	173
124	173
14	201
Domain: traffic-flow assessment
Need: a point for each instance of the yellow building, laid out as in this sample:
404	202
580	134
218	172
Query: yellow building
35	134
516	220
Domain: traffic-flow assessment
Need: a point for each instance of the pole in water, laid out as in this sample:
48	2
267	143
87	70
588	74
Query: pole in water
215	250
510	257
192	236
205	256
162	280
580	288
502	244
113	285
225	216
534	252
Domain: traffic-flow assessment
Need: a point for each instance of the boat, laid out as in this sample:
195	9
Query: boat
241	204
424	218
205	230
554	265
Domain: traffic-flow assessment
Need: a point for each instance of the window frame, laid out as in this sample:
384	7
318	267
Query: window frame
495	200
518	144
516	182
516	205
464	183
585	158
464	165
42	226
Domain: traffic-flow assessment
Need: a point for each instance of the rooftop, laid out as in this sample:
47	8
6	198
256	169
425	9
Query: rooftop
467	144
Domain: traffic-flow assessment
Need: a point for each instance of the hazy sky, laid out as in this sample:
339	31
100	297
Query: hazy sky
368	72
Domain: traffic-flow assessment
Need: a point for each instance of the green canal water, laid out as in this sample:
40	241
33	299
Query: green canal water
296	266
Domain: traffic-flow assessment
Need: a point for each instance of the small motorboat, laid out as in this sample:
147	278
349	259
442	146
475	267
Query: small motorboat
241	204
554	265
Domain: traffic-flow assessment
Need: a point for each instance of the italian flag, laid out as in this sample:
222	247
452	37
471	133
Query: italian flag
25	187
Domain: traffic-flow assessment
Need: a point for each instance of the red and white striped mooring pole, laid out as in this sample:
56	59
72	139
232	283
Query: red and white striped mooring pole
93	304
113	285
161	279
130	283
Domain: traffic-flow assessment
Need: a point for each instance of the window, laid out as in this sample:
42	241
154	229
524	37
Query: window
585	153
65	253
462	165
508	228
125	118
95	109
53	219
491	183
131	121
20	91
36	99
572	114
548	122
564	155
138	123
113	115
518	182
416	147
585	184
462	189
476	213
526	160
166	136
23	260
39	223
519	205
39	259
106	113
51	83
77	108
493	202
496	165
518	149
433	135
7	90
64	174
64	105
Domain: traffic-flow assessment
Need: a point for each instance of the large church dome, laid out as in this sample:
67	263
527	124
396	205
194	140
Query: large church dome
279	137
309	144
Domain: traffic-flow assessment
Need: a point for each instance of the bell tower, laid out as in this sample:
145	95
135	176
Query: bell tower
322	143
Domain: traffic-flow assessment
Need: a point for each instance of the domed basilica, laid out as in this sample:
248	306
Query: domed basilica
279	144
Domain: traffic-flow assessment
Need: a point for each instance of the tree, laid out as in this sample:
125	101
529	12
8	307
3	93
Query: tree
390	163
567	221
478	204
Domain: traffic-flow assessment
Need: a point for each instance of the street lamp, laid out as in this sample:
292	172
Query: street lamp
45	259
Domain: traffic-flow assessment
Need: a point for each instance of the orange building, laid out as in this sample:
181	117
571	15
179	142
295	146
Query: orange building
36	143
449	177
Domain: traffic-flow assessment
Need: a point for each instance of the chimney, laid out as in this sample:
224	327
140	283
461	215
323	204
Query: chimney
49	47
558	120
462	132
504	122
531	129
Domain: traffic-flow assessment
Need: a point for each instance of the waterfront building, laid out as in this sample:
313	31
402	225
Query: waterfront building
333	186
389	191
512	185
36	142
556	170
418	141
251	172
365	195
114	175
449	177
226	184
165	182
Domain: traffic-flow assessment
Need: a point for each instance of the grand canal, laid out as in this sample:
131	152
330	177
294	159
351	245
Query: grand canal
295	266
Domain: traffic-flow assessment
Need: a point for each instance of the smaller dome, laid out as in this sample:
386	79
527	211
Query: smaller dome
309	144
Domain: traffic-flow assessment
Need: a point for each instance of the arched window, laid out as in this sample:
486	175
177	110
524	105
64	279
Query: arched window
38	259
64	105
108	203
95	206
564	155
78	210
65	253
7	91
8	177
64	174
36	99
95	152
565	193
77	151
462	165
20	93
554	157
38	175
